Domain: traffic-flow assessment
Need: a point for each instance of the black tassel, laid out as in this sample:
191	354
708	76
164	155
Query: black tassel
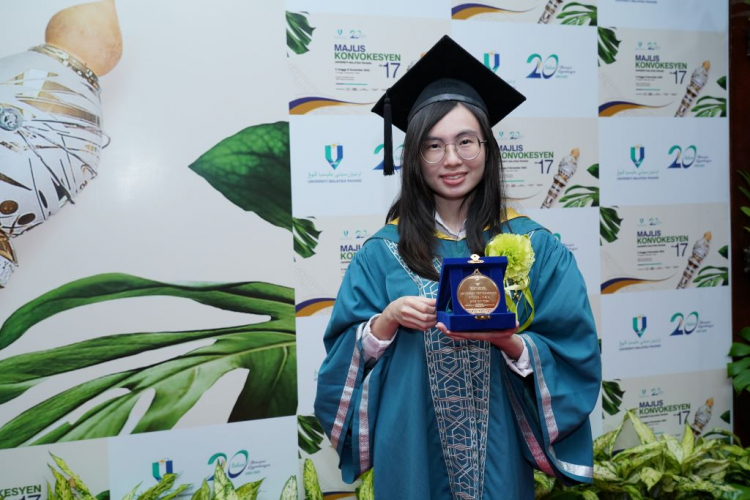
387	138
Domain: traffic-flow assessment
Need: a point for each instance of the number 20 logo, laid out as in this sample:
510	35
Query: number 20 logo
545	69
685	325
683	159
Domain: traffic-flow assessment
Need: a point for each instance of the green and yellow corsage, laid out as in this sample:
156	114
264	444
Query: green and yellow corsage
517	248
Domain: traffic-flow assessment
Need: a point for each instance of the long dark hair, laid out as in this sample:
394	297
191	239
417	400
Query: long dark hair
415	205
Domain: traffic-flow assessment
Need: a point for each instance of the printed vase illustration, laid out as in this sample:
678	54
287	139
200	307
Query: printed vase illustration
51	133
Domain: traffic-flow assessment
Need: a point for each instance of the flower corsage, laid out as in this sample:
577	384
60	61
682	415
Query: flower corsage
517	248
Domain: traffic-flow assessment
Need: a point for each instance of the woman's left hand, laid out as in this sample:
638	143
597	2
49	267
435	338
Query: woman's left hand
506	340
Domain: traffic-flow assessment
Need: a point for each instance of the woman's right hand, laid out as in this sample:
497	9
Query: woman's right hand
417	313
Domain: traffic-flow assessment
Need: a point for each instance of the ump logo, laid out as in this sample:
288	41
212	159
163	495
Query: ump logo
637	154
492	60
683	159
338	149
639	325
158	469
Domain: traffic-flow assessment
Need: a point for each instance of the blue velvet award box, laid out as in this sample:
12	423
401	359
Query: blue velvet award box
471	295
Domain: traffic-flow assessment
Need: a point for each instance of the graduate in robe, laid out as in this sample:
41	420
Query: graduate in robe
455	415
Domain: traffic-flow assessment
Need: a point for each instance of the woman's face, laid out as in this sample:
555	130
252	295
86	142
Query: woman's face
453	178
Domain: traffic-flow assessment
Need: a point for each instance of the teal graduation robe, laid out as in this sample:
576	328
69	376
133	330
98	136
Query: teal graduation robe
441	419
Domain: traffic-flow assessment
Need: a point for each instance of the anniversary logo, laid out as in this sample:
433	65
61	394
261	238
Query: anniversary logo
658	161
349	61
557	73
667	247
663	73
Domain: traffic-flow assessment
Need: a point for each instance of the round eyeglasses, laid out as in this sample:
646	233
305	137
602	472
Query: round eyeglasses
468	147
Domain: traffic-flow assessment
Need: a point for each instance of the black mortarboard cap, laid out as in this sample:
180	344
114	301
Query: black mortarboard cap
447	72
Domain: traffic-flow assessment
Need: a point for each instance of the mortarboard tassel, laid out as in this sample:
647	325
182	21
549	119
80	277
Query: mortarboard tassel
387	137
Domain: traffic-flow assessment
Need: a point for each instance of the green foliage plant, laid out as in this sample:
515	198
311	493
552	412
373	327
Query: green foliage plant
223	489
364	491
660	468
739	368
68	486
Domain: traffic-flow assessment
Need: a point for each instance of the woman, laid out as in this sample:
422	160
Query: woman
442	414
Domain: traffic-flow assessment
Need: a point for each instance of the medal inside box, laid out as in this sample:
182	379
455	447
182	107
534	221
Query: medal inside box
471	295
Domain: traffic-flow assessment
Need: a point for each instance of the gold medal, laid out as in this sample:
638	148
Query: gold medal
478	294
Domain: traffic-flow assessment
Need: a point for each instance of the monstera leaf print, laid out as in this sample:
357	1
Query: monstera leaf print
609	45
708	106
578	14
266	349
252	170
582	196
609	224
298	32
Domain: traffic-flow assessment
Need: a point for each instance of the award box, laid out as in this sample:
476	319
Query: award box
466	294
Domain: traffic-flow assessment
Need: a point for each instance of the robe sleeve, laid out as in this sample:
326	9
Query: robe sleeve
347	389
552	408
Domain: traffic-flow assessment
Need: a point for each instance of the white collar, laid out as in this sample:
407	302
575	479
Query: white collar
441	226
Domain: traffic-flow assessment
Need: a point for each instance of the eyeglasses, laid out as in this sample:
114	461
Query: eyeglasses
468	147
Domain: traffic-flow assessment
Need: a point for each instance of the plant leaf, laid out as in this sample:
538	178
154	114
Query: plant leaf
298	32
289	492
164	485
251	169
745	333
203	493
305	237
594	170
310	433
366	490
722	82
739	349
250	298
223	487
78	483
310	480
265	349
644	432
249	491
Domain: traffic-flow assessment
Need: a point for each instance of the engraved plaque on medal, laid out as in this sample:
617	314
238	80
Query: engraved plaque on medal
478	294
470	294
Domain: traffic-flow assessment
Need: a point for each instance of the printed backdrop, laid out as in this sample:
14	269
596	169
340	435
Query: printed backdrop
197	213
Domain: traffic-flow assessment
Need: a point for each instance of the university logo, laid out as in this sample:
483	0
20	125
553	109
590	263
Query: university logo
683	159
639	325
158	469
492	60
637	154
338	151
543	68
